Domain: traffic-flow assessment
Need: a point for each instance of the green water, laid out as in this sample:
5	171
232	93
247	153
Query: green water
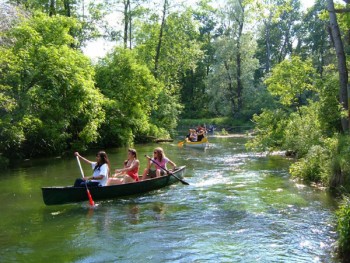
239	207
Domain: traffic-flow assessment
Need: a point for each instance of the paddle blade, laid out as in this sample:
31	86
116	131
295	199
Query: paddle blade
184	182
92	203
180	144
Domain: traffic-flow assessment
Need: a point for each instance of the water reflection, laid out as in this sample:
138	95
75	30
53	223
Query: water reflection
239	207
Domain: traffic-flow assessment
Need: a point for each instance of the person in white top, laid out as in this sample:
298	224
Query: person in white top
100	169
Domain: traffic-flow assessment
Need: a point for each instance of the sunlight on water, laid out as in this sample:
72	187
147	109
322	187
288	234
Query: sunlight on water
239	207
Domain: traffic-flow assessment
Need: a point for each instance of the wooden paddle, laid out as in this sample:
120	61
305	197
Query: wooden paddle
180	144
182	181
91	201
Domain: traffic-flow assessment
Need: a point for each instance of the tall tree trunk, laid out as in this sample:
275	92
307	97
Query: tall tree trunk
130	36
268	44
240	21
83	7
230	87
285	48
343	72
126	22
52	10
239	69
67	7
156	59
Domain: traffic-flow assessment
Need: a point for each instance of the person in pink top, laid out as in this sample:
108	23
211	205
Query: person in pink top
130	172
155	165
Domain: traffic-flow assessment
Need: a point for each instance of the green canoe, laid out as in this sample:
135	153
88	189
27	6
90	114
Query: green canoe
68	194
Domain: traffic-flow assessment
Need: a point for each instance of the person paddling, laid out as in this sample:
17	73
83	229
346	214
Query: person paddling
155	170
100	169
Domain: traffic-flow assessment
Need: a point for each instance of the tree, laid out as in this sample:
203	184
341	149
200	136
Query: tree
193	92
122	14
313	37
132	91
291	82
54	105
89	21
177	55
343	72
278	28
235	64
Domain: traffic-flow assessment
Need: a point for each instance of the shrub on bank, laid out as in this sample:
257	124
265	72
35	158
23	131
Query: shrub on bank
343	227
326	163
303	130
312	168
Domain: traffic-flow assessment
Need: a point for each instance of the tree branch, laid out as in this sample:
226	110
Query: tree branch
342	10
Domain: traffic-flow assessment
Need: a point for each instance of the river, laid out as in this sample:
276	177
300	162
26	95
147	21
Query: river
239	207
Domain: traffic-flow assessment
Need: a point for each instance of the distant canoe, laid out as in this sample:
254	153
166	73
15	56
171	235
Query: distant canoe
68	194
201	144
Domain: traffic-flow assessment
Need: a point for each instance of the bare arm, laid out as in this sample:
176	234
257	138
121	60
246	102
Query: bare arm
134	165
172	164
81	157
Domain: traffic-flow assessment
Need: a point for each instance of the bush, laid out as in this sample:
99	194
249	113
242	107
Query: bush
343	228
311	167
303	130
269	130
339	166
327	163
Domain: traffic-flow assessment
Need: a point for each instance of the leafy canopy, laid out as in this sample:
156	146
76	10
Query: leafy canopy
50	86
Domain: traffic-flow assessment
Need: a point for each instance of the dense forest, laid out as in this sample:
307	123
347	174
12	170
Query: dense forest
268	62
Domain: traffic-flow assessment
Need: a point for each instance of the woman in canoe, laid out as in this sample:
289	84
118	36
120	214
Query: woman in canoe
100	169
157	165
129	173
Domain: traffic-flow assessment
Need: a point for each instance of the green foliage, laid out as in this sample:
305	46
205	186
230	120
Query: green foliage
89	20
339	166
193	92
269	130
291	81
326	163
255	99
303	130
343	227
311	168
279	19
218	122
52	101
178	54
343	18
227	92
223	131
179	48
165	116
313	36
133	93
330	110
